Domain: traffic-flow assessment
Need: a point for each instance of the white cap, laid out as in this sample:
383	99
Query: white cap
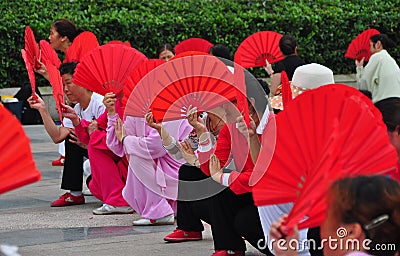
311	76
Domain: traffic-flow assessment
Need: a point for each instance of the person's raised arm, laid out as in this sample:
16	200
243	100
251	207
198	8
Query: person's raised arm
43	71
282	243
165	136
109	101
359	71
204	137
275	77
57	134
251	134
275	82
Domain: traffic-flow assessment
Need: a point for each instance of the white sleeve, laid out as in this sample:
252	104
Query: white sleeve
225	179
173	149
271	213
206	143
263	121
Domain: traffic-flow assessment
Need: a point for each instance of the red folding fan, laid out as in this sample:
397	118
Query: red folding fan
137	74
31	73
201	81
257	48
48	54
359	48
31	48
188	53
144	91
107	68
240	83
82	44
126	43
17	167
286	89
193	44
58	89
341	135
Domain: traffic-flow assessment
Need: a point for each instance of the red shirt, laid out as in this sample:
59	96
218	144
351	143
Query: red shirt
224	149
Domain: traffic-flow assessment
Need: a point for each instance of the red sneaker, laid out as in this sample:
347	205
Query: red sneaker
227	253
179	235
58	162
68	199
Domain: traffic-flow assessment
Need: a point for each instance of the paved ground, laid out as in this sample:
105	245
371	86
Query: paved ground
28	221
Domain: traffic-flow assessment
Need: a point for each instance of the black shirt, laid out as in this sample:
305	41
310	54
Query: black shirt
288	64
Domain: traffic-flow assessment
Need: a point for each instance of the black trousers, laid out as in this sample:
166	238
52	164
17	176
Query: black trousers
248	224
231	216
73	166
314	235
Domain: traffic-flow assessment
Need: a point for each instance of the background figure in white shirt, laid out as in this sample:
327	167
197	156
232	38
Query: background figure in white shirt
381	76
88	105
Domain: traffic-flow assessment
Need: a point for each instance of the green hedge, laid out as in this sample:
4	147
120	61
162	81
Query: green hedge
324	28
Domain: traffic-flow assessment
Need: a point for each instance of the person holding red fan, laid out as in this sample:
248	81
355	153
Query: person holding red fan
288	47
88	105
381	76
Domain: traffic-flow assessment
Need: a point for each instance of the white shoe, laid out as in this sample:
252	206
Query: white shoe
9	250
167	220
85	189
109	209
86	168
86	192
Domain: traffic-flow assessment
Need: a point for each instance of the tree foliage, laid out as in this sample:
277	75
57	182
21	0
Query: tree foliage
324	28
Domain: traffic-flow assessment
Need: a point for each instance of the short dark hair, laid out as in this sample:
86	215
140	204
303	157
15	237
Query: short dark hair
68	68
384	39
164	47
288	44
390	109
221	50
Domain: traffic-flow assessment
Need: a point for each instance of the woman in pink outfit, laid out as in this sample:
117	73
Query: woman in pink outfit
109	171
152	183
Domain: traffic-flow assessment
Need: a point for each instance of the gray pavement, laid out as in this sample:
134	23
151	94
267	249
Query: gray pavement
28	221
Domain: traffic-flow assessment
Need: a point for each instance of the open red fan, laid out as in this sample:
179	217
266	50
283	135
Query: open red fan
58	89
126	43
188	53
107	68
202	81
145	84
257	48
137	74
17	167
359	48
82	44
341	135
48	54
31	48
193	44
31	73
